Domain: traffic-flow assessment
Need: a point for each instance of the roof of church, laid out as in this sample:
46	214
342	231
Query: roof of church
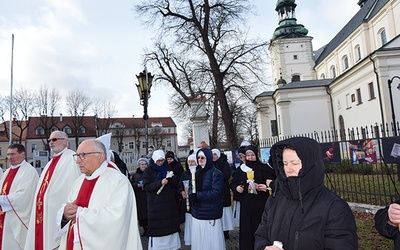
306	84
288	26
298	85
369	10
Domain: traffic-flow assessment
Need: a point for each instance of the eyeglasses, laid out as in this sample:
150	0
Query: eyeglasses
201	157
82	156
54	139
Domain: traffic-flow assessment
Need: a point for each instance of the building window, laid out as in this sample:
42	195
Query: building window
0	150
345	61
67	130
295	57
131	145
81	130
169	130
371	91
333	71
357	51
353	98
39	131
348	101
144	144
382	34
169	143
54	128
359	100
33	147
295	78
322	76
274	128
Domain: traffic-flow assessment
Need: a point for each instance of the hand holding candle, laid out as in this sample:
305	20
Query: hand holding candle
186	186
169	175
193	172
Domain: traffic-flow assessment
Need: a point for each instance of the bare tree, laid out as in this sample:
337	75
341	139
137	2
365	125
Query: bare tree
105	114
78	104
48	103
23	105
211	34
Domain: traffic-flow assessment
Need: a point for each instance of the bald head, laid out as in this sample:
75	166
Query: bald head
91	154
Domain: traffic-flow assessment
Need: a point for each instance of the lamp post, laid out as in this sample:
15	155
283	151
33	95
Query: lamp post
145	80
391	102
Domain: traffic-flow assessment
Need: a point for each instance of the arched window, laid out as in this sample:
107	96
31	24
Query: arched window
322	76
333	71
345	62
295	78
382	35
54	128
357	52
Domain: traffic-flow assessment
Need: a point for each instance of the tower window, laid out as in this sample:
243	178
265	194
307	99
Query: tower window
295	57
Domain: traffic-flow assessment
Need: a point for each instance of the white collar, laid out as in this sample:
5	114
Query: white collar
17	166
60	153
98	171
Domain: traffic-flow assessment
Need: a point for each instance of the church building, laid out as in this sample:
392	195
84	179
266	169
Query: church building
351	82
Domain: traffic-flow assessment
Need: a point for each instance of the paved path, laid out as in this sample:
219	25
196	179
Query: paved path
231	244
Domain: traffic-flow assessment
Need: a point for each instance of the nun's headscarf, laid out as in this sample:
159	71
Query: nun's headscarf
217	152
201	153
158	155
192	157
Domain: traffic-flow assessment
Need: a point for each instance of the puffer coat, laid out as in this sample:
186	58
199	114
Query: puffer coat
302	213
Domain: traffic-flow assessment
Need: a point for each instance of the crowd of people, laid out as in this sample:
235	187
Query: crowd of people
88	200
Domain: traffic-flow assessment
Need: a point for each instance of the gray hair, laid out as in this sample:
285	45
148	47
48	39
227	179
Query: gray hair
99	146
61	133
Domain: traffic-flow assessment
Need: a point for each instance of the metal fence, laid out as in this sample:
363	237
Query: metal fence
362	165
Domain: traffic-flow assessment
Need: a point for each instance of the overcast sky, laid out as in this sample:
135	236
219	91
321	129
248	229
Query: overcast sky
96	45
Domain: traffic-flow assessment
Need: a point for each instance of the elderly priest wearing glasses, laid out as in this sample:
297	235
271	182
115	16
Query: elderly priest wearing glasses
100	212
51	192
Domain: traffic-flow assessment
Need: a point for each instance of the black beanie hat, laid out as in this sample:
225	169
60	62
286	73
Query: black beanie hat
169	154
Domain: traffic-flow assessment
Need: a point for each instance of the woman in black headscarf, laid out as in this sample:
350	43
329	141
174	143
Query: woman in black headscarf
250	185
303	213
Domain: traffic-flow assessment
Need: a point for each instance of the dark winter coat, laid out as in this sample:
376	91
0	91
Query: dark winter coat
222	165
386	230
209	185
162	209
178	170
251	205
140	194
302	213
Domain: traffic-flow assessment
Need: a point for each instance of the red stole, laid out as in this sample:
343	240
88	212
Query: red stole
82	201
39	203
5	189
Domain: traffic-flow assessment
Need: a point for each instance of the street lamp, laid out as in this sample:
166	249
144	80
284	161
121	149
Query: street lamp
145	80
391	102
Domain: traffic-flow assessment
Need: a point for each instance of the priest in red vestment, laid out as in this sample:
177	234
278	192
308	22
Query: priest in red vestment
51	192
16	198
100	212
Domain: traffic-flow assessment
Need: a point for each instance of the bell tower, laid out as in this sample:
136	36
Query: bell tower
290	48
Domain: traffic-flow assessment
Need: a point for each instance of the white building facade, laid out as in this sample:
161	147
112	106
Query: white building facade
341	86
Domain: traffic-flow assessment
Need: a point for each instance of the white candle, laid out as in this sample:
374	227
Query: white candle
193	183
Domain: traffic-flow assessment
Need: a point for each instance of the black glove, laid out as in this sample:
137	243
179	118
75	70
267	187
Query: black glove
193	197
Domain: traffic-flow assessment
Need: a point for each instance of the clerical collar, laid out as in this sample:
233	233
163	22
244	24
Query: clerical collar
98	171
60	153
17	166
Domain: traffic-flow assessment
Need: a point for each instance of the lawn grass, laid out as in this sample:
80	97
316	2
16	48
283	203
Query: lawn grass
368	236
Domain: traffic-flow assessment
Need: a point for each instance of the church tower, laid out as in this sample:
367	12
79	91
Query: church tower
290	49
